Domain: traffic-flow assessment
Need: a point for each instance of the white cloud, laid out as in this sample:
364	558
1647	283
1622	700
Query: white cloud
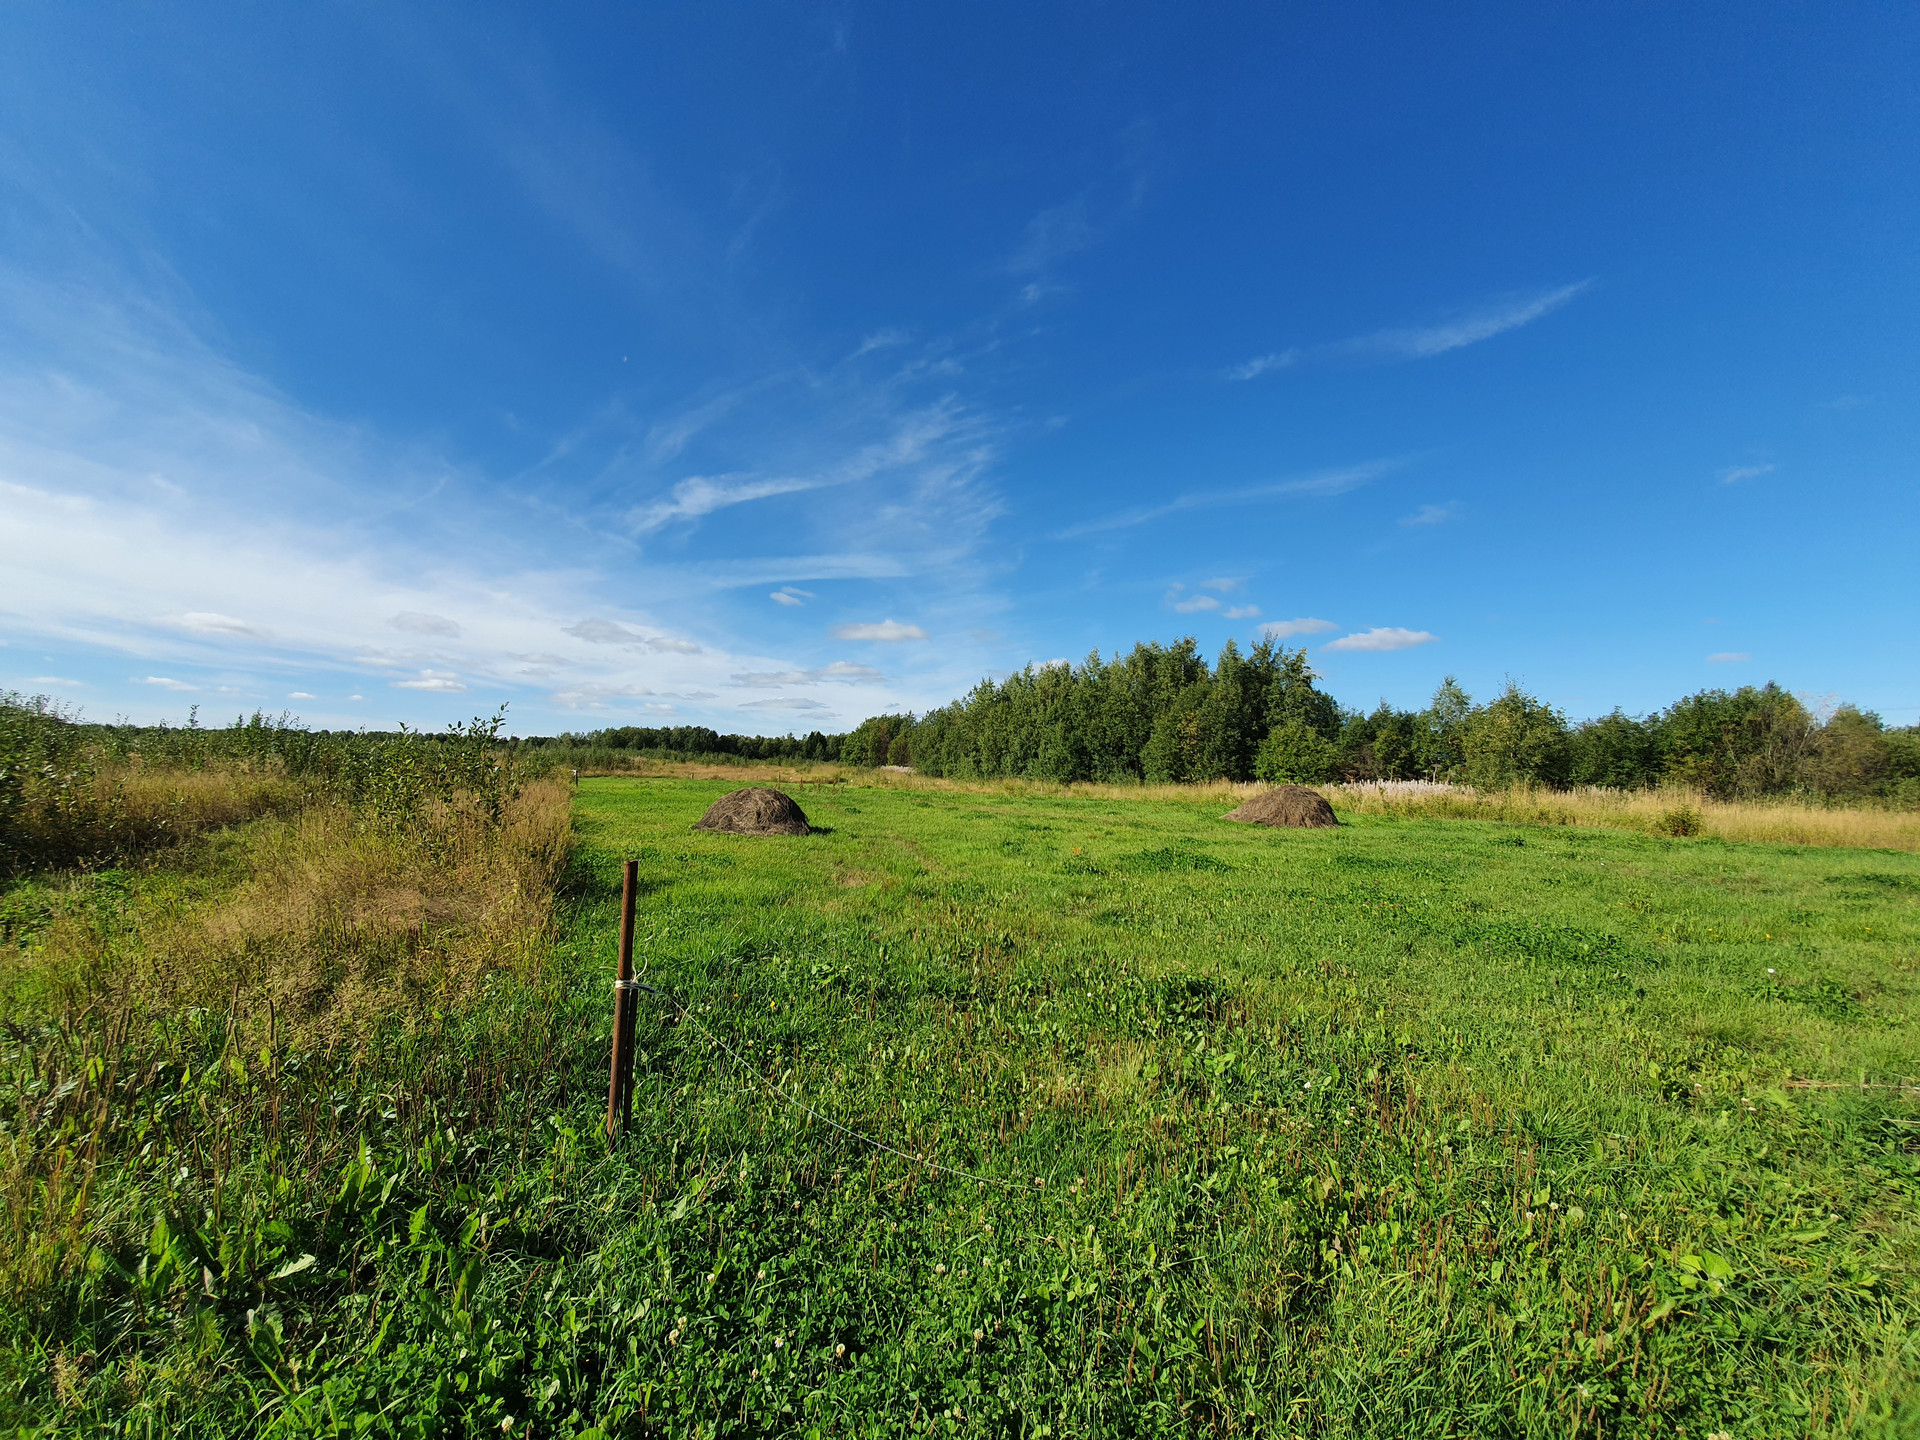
1261	364
593	696
1323	483
1052	235
163	682
890	630
206	622
791	595
702	495
1423	342
1242	612
1285	629
885	338
1384	637
838	670
1194	603
440	681
785	703
1223	583
60	680
1431	514
420	622
1728	657
299	695
606	632
1733	475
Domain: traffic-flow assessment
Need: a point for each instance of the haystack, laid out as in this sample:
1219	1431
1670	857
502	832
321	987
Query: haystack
758	811
1293	805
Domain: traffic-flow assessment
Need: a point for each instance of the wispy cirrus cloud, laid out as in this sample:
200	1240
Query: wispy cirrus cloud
1382	638
1734	474
702	495
1260	364
1321	483
790	595
1431	515
1421	342
1728	657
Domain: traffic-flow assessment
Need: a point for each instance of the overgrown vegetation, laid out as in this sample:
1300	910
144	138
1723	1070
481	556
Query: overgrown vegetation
1162	715
1415	1127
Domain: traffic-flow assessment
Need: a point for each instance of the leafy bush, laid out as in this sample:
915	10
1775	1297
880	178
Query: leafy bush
1293	754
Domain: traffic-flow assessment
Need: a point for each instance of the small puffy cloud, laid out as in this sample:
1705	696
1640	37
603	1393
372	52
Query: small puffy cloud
298	695
889	630
1194	603
1728	657
420	622
1242	612
1223	583
790	595
1287	629
1734	474
838	670
1383	637
605	632
60	680
440	681
1431	514
206	622
1260	364
163	682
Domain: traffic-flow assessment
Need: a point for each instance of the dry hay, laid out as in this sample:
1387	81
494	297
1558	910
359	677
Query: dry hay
757	811
1290	805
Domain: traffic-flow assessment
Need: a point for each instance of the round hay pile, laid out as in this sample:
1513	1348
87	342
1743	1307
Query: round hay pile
1293	805
758	811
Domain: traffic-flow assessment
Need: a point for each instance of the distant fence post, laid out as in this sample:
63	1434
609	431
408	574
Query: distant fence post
626	999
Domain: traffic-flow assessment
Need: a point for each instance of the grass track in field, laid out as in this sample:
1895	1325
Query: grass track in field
1413	1127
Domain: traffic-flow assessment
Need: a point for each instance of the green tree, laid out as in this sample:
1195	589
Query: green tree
1616	751
1517	740
1294	753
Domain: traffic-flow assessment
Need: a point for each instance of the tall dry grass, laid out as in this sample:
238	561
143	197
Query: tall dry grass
1667	811
336	924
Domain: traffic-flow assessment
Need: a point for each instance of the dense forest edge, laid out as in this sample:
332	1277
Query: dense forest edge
1162	715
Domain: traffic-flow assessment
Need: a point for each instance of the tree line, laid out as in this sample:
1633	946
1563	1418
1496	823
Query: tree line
1161	714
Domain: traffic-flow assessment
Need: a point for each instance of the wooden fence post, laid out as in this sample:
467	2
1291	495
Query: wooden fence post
625	1000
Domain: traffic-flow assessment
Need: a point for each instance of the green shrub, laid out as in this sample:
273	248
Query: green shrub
1293	754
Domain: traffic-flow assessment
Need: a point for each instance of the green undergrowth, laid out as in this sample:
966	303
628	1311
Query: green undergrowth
1406	1128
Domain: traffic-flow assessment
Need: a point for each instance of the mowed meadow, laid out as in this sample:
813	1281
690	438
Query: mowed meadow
1009	1111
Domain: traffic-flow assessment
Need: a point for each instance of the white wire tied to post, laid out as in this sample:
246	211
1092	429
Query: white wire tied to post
827	1120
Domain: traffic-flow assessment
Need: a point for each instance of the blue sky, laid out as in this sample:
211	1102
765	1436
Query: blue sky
772	366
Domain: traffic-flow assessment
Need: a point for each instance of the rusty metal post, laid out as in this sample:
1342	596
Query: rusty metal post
625	1001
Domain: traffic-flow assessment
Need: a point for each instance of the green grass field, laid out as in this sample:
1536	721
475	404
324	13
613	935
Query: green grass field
1406	1128
1162	1126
